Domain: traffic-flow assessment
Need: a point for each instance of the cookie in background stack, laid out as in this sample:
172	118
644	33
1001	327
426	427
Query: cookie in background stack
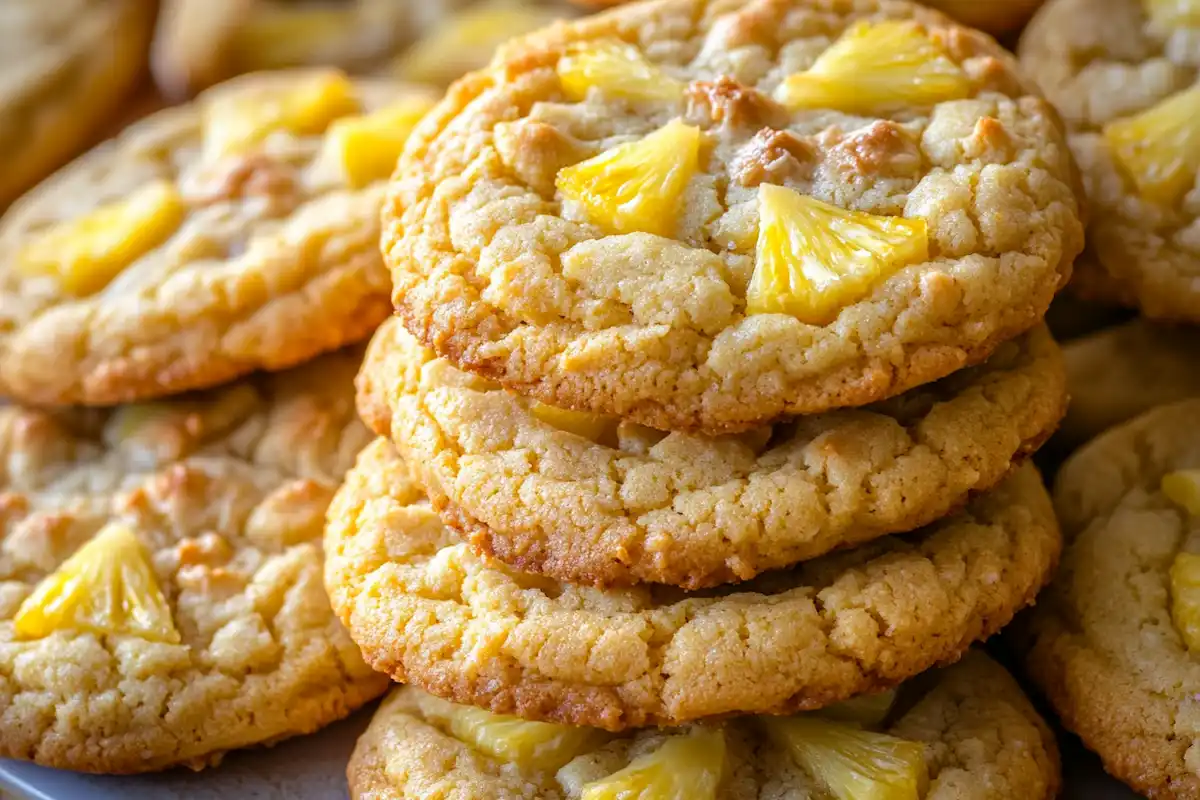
683	309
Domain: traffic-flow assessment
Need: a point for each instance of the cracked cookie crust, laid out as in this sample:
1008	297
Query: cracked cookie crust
203	243
428	611
1104	643
217	502
628	504
979	737
645	315
1112	68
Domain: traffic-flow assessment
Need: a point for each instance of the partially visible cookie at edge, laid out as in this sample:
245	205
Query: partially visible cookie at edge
967	728
236	233
589	499
428	611
161	595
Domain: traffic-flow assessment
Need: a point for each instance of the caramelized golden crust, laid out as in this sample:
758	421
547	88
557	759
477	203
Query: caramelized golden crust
274	261
428	611
1101	643
495	271
695	511
1099	61
982	738
226	492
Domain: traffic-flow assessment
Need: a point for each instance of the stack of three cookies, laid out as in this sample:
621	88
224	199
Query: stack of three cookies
717	354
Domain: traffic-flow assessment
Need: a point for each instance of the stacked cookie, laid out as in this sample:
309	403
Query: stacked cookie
716	356
161	592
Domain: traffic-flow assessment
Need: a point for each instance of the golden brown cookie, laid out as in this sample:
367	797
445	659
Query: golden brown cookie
1123	73
207	241
686	214
161	599
962	732
65	67
428	611
1113	642
588	499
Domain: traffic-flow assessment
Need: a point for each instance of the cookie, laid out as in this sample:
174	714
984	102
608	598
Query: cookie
205	242
586	499
161	597
1119	373
1123	74
658	212
1113	641
427	610
968	728
66	66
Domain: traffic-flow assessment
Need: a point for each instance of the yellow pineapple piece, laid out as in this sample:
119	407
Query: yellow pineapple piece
367	147
851	763
237	122
275	38
86	253
874	67
867	710
580	423
106	587
530	745
466	41
1172	14
1185	598
619	70
1160	147
687	767
813	258
636	186
1183	489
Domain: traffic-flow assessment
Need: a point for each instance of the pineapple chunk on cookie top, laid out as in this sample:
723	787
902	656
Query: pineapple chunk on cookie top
868	182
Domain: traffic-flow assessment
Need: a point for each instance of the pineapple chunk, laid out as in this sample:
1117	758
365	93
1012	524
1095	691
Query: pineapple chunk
106	587
366	148
1172	14
235	122
867	710
86	253
619	70
1183	489
1160	147
529	745
466	41
875	67
636	186
276	38
580	423
814	258
1185	598
853	764
685	767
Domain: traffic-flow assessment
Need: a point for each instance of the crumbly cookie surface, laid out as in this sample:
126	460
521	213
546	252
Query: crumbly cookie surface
429	611
64	68
267	257
1101	643
1116	374
1101	61
226	493
629	504
982	740
495	269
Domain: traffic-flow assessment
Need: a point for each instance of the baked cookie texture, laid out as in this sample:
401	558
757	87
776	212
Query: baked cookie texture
64	68
1102	643
1116	374
980	736
1103	63
428	611
224	495
499	271
242	242
620	503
